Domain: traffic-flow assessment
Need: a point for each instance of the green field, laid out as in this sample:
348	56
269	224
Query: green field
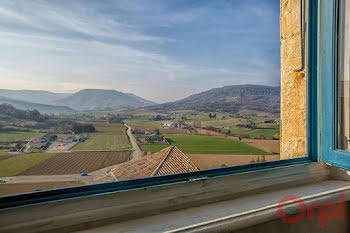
111	140
205	116
144	123
195	144
21	162
232	122
4	152
239	130
201	116
266	133
145	116
267	126
15	135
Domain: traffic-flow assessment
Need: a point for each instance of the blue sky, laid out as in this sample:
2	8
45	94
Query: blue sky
162	50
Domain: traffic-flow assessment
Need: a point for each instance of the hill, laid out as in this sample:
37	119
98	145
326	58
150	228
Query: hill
235	98
99	99
29	115
89	99
33	96
43	108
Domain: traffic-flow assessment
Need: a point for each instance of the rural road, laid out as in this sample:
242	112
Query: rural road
138	153
49	178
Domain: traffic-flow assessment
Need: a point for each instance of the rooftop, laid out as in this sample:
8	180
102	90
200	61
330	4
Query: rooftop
168	161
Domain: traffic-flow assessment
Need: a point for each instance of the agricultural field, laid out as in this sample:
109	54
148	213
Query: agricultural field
16	135
76	163
7	156
4	152
267	126
161	130
144	123
145	115
271	146
231	122
105	126
108	140
195	144
10	189
239	131
265	133
14	165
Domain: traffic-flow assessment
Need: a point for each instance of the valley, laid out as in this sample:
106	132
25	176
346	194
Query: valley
86	145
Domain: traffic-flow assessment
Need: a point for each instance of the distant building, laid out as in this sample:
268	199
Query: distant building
81	138
154	137
69	139
169	124
37	143
49	137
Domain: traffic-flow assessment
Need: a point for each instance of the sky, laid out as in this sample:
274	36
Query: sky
161	50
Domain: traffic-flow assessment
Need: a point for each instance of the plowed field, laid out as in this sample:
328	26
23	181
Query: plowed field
75	163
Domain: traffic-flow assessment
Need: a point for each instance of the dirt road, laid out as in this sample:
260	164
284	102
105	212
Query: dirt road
34	179
138	153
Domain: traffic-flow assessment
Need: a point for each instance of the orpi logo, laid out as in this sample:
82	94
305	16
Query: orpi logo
322	215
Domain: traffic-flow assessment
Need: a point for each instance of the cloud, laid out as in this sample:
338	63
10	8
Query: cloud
163	50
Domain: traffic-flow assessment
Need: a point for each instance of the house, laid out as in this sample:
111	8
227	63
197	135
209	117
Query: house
49	137
37	143
169	124
148	133
81	138
154	137
168	161
69	139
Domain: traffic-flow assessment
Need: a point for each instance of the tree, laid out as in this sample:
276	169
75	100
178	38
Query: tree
157	131
229	132
158	118
83	128
210	116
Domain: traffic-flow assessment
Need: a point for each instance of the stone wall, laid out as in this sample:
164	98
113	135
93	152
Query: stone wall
293	84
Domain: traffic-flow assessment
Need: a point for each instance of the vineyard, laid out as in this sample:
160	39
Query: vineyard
105	126
75	163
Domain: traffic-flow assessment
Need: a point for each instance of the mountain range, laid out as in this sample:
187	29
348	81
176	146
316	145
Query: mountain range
43	108
95	99
83	100
234	99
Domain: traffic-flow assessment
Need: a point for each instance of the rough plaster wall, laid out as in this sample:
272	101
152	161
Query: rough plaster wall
293	84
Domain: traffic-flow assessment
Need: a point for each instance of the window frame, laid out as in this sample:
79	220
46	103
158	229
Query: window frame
329	74
127	185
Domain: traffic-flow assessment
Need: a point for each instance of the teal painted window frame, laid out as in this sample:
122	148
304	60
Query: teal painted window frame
329	67
311	156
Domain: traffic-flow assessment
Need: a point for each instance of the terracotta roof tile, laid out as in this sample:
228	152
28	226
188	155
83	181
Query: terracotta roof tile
165	162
